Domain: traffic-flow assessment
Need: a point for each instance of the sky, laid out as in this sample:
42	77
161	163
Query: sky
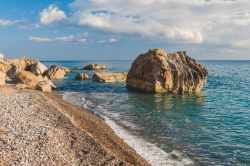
123	29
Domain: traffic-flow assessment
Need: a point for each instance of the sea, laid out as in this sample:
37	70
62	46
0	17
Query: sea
207	128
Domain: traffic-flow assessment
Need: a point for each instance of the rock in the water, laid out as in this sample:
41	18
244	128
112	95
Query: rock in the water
107	77
44	86
2	78
57	72
77	68
82	76
27	78
95	67
156	71
38	68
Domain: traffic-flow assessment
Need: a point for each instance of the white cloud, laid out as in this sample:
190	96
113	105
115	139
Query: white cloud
24	24
177	21
241	43
106	41
51	14
64	39
4	22
39	39
73	38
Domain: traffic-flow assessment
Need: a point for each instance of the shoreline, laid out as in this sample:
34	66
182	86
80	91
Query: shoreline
82	136
152	153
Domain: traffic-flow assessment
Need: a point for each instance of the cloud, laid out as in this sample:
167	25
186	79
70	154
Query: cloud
241	43
51	15
177	21
39	39
73	39
24	24
4	22
106	41
64	39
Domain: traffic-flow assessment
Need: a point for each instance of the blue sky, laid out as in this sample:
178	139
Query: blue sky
122	29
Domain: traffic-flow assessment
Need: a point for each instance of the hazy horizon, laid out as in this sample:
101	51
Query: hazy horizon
121	30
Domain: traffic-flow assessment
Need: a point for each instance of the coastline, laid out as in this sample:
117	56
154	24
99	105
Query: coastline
39	128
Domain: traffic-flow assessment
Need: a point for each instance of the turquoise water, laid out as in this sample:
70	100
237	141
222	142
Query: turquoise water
210	128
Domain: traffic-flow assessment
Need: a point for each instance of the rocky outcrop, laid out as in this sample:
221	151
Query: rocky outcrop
27	78
57	72
157	71
38	68
17	65
107	77
95	67
82	76
28	73
2	78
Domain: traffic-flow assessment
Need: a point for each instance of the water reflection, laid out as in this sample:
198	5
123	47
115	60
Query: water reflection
164	101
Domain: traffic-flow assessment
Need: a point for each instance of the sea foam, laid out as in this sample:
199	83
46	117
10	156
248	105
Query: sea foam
149	151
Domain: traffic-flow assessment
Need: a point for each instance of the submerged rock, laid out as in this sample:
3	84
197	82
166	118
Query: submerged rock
95	67
107	77
77	68
157	71
82	76
57	72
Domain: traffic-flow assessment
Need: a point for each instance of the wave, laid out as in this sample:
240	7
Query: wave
149	151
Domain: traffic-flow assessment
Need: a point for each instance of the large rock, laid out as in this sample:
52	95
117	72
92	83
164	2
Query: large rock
27	78
18	65
38	68
156	71
57	72
82	76
2	78
95	67
107	77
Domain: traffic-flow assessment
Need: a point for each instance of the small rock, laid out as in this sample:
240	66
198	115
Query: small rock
107	77
77	68
82	76
21	86
44	86
2	78
95	67
53	86
57	72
